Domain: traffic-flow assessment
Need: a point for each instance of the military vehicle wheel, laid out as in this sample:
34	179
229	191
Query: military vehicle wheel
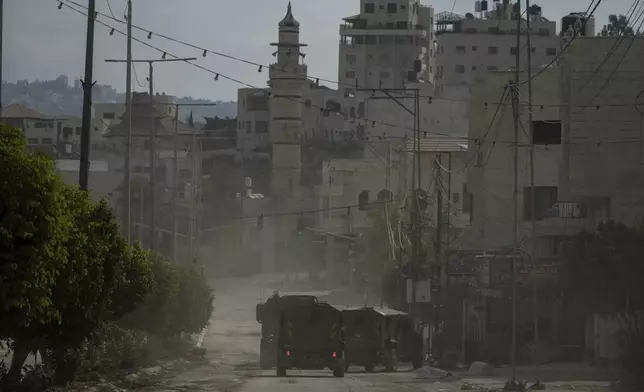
369	366
264	363
417	363
281	372
338	372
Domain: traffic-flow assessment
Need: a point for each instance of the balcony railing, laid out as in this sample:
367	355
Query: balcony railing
567	210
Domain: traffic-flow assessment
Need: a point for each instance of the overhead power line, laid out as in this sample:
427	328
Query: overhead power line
204	51
425	133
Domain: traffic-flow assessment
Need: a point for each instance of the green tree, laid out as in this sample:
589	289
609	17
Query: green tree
33	226
617	26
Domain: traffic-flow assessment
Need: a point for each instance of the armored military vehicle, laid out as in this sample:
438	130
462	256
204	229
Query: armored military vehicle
372	337
268	314
310	337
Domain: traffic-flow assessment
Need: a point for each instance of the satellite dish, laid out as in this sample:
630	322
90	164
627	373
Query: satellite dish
469	15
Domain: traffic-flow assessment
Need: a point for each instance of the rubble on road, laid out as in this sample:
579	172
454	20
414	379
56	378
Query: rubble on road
480	369
432	373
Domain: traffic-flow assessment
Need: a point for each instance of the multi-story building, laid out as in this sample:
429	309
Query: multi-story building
468	47
388	44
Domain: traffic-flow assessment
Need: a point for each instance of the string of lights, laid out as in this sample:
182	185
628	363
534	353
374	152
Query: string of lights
205	51
218	76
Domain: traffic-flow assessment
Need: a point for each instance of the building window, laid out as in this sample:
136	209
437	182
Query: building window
474	48
460	49
363	200
261	126
351	58
513	50
369	8
249	127
492	50
32	140
459	69
551	51
392	8
371	40
109	116
546	132
351	74
325	206
492	68
456	197
545	197
47	140
387	39
349	91
493	30
78	130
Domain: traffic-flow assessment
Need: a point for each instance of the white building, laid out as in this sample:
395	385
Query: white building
468	47
388	44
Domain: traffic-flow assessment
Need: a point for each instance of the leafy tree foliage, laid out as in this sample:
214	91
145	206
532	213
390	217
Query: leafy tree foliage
617	26
607	268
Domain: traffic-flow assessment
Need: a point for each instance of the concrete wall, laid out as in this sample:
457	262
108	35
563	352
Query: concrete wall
605	132
491	169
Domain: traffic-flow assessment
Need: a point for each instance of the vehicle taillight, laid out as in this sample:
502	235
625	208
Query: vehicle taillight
334	354
288	353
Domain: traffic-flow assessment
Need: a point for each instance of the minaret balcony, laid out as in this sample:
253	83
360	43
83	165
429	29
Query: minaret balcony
287	71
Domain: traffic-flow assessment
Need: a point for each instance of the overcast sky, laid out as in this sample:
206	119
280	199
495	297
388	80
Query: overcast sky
42	42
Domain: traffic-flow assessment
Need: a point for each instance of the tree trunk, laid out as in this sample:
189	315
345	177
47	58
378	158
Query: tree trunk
19	356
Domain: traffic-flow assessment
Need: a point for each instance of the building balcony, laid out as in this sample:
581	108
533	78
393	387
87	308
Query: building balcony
563	219
418	30
279	71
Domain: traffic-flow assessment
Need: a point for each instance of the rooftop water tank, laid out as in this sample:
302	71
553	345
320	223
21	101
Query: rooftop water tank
477	6
484	5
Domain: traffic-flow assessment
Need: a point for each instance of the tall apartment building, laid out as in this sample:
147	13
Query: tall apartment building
468	47
388	44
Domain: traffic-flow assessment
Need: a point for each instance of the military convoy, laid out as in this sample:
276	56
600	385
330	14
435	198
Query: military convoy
300	332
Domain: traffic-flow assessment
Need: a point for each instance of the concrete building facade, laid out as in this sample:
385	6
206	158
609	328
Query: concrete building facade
388	44
467	47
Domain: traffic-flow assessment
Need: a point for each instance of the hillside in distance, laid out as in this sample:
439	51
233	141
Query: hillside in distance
59	97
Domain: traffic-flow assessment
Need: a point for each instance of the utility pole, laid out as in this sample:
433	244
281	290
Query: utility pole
439	254
414	210
515	215
533	226
152	134
88	84
1	48
128	137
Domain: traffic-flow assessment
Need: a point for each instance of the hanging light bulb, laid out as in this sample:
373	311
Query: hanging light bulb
112	31
150	35
60	5
164	55
205	52
217	77
259	69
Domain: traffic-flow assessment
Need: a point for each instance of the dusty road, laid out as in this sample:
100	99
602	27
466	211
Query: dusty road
232	343
232	365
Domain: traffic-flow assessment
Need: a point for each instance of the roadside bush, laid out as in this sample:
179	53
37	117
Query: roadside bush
181	302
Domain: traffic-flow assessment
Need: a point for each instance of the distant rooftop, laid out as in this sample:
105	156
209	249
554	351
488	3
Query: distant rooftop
19	111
